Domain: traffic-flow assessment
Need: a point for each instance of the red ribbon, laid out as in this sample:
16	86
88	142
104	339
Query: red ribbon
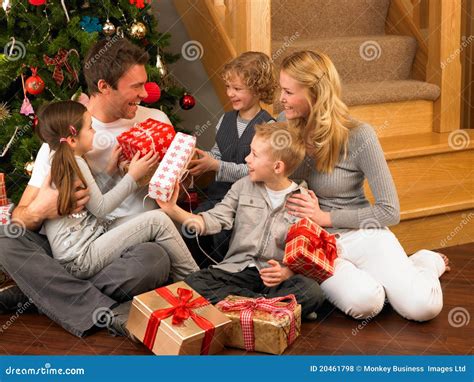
247	308
324	241
58	61
181	309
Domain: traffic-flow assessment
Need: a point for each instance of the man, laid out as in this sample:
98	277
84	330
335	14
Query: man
115	75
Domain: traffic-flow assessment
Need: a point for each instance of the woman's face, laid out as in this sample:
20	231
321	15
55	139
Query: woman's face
293	97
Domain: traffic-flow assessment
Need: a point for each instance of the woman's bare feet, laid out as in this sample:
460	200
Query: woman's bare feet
446	261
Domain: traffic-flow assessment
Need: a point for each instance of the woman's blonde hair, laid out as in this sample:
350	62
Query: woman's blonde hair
326	129
257	72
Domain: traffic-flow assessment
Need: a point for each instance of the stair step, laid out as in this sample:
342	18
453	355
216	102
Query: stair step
367	93
359	58
324	18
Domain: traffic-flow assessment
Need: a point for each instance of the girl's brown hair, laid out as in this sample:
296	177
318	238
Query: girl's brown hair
257	72
55	121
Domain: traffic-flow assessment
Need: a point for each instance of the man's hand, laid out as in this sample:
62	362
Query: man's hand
204	163
275	274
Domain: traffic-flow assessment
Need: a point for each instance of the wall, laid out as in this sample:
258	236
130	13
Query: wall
203	117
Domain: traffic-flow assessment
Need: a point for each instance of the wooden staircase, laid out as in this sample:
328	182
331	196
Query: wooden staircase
414	107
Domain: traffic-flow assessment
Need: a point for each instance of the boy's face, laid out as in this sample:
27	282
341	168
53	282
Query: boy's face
123	101
240	95
260	161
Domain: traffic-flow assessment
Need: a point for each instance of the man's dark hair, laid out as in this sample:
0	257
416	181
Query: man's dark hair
108	60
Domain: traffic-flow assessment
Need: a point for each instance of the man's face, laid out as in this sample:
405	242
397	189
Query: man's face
123	101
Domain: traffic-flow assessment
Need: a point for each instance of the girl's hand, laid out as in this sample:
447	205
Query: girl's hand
139	167
307	206
171	204
275	274
203	164
112	165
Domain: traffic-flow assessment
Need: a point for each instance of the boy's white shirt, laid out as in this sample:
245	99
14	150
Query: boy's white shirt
104	141
277	197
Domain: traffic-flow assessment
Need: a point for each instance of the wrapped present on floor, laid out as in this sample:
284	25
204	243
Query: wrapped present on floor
172	166
176	320
266	325
147	136
310	250
6	213
3	190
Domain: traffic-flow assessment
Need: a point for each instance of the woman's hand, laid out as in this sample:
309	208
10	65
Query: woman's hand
112	164
171	204
275	274
307	206
203	164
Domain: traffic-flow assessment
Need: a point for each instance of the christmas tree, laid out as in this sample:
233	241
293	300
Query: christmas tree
45	42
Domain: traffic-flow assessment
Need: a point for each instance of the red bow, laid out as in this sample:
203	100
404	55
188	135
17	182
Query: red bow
59	60
248	306
324	241
181	309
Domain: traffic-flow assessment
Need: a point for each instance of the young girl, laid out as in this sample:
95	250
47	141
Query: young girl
85	243
250	80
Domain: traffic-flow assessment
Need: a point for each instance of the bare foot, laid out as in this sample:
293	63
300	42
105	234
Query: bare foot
446	261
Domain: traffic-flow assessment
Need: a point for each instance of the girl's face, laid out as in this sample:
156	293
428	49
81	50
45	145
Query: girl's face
240	95
85	137
293	97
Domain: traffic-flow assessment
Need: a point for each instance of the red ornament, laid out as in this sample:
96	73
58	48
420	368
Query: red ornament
34	84
187	102
37	3
139	3
154	92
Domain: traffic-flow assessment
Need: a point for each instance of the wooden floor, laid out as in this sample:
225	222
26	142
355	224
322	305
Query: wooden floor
333	333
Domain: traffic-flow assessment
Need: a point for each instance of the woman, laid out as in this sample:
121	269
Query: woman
341	153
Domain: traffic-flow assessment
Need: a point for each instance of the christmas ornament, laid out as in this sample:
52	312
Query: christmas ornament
120	32
34	84
35	122
153	91
137	30
90	24
26	107
65	10
139	3
160	65
187	102
86	4
108	28
37	3
58	61
5	111
29	167
6	6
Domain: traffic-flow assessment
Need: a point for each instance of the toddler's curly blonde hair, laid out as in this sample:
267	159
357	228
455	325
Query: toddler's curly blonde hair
257	72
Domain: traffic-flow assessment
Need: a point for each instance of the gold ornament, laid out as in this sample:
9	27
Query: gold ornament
160	66
138	30
29	166
108	28
4	111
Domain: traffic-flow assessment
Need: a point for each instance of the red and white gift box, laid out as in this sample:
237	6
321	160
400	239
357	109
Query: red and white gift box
6	213
147	136
310	250
172	166
3	190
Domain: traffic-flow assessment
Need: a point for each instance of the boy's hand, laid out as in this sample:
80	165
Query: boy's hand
112	164
275	274
169	205
203	164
